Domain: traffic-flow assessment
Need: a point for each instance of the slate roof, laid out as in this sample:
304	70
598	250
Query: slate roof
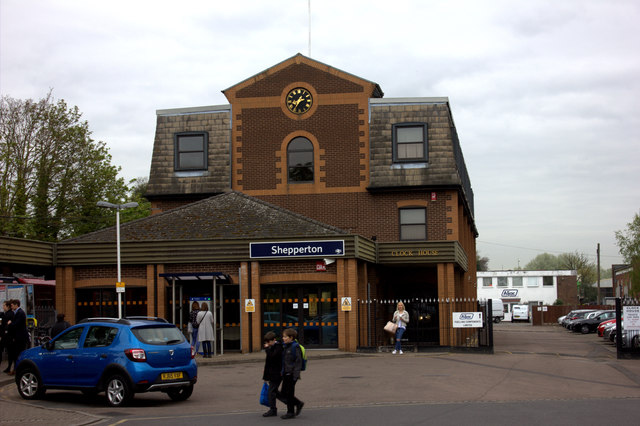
230	215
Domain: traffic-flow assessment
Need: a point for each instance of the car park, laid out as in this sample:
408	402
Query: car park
120	357
590	323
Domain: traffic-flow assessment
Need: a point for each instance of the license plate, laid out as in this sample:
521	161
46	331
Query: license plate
171	376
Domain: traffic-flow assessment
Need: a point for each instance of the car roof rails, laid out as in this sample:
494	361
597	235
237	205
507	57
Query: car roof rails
143	318
104	319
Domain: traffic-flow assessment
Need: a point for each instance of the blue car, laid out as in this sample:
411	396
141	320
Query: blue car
118	356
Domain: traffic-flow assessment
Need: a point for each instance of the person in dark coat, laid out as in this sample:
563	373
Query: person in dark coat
291	367
7	336
19	332
272	370
59	326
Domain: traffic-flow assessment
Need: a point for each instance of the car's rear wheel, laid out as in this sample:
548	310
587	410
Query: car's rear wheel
584	329
180	394
29	384
118	391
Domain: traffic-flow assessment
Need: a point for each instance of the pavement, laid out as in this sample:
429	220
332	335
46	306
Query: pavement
528	364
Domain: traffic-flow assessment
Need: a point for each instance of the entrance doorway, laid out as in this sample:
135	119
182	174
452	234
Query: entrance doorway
311	309
222	299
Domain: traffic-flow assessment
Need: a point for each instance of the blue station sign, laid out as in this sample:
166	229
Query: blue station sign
288	249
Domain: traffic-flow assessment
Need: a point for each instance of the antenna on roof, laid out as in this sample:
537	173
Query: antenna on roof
309	7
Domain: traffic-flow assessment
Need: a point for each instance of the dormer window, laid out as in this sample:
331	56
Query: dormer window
410	142
191	151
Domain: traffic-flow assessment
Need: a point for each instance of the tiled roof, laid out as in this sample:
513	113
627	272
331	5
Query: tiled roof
230	215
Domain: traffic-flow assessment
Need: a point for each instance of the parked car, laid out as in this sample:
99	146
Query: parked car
603	325
118	356
590	323
520	313
575	315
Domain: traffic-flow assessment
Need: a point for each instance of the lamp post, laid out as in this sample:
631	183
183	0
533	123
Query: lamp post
117	208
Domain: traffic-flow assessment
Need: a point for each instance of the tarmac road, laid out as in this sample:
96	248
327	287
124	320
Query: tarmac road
537	375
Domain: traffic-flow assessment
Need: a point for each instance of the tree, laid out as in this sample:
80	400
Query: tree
482	263
629	246
52	173
543	262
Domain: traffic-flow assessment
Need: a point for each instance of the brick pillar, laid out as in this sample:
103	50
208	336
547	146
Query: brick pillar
257	316
162	293
65	293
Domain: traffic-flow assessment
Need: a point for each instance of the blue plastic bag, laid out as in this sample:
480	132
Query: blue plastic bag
264	395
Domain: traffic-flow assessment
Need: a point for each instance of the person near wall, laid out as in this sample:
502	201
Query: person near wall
401	318
272	370
205	329
60	325
194	325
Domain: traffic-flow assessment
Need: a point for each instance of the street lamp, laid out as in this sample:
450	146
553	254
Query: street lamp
117	208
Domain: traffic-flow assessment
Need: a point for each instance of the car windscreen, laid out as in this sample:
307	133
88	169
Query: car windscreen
155	335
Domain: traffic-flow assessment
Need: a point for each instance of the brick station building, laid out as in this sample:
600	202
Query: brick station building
305	196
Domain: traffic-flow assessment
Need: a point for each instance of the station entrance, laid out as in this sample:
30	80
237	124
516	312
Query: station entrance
311	309
221	297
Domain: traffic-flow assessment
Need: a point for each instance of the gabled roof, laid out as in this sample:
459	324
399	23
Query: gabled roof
230	215
376	91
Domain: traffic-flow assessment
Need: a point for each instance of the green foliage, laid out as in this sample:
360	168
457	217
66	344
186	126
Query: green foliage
543	262
558	302
482	263
52	173
629	246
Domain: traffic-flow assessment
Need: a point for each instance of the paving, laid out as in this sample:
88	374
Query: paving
528	364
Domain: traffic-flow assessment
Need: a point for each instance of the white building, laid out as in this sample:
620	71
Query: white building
527	287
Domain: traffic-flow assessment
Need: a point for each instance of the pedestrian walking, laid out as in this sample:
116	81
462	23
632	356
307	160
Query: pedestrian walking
291	367
401	318
272	374
20	335
205	329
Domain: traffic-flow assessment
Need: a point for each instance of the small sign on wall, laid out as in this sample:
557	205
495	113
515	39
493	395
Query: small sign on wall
346	304
467	320
249	305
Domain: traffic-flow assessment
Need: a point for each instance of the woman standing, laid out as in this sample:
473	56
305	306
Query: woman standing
401	318
205	329
193	324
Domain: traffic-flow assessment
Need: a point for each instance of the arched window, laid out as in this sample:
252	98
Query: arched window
300	160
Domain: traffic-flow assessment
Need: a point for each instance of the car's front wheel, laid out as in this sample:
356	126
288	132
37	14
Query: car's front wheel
118	391
180	394
29	384
585	329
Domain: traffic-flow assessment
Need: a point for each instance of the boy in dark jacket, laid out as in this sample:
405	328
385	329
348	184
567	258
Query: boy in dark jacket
272	370
291	366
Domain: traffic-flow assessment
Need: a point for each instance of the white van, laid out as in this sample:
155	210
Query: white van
520	313
497	310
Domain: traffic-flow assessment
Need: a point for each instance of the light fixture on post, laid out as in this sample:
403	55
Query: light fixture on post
118	207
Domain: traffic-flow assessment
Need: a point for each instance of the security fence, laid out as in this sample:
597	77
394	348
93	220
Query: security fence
433	323
628	328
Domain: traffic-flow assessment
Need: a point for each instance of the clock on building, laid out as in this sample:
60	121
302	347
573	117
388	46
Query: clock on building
299	100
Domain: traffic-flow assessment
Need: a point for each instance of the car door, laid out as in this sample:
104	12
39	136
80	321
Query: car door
58	358
91	361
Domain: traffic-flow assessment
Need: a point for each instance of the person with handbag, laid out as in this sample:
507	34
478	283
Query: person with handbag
401	319
272	371
205	329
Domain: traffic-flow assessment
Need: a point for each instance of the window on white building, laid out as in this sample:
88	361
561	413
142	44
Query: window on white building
516	281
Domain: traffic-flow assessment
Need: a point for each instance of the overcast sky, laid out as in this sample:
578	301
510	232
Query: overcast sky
545	94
